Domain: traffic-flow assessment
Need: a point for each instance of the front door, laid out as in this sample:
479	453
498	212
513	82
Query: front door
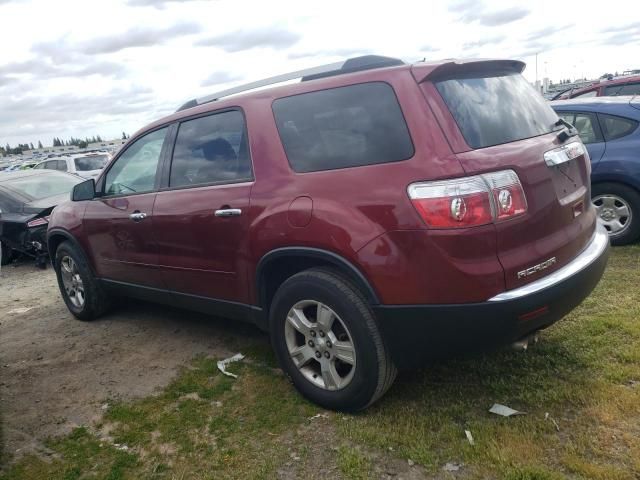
201	219
119	222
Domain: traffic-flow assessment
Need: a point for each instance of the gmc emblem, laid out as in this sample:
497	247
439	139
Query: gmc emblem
537	268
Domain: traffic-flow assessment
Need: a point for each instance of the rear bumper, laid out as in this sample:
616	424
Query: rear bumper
416	333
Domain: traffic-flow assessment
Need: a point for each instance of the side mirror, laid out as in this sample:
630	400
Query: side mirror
84	191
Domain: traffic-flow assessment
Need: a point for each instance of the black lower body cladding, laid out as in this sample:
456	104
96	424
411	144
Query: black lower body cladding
416	334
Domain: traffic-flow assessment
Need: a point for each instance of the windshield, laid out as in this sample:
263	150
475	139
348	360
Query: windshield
94	162
491	110
36	187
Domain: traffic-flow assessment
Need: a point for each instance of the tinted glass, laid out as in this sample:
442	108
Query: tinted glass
567	117
211	149
343	127
36	187
616	127
587	127
626	89
135	170
95	162
590	93
51	165
496	109
61	165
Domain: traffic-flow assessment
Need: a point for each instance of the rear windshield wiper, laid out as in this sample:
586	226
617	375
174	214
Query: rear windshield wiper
564	135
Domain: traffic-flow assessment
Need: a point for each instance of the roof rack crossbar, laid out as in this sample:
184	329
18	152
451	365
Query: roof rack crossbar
346	66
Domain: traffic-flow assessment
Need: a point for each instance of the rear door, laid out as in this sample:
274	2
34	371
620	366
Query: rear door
119	223
506	125
590	132
201	217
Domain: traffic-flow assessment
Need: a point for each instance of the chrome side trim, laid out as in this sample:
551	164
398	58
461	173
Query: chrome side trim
598	244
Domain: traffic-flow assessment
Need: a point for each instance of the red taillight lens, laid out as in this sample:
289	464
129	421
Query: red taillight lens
508	196
469	201
38	221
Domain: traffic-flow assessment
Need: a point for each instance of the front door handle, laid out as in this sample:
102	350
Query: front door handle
228	212
138	216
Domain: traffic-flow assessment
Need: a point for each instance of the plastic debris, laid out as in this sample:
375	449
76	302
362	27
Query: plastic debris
222	364
469	437
451	467
319	415
20	310
548	417
504	411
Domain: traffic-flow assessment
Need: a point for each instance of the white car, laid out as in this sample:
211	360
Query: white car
88	165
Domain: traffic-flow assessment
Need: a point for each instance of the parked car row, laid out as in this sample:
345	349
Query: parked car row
87	164
624	85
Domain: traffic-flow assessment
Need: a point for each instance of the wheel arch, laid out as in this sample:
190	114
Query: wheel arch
56	236
279	264
621	179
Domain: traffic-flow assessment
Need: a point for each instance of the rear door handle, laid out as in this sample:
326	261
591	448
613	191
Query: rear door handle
228	212
138	216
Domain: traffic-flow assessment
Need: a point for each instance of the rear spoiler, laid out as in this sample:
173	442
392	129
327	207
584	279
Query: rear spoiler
462	68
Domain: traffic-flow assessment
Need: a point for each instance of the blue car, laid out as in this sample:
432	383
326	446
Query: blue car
609	128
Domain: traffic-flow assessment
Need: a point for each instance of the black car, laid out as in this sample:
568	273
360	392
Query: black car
27	197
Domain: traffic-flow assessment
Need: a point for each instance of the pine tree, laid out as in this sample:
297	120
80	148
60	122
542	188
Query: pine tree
39	144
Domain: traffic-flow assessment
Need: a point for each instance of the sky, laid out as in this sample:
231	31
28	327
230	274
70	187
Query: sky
83	68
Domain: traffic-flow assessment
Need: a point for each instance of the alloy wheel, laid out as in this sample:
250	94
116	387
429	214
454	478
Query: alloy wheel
320	345
614	212
72	282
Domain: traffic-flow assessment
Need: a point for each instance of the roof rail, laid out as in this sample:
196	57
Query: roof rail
356	64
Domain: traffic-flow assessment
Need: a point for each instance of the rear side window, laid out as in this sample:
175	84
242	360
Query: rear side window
590	93
625	89
343	127
616	127
495	109
211	149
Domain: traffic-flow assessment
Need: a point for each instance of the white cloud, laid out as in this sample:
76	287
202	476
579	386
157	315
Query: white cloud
80	68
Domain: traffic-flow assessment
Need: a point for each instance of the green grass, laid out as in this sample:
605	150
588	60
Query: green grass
205	425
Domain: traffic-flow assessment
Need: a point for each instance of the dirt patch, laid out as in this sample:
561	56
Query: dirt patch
57	372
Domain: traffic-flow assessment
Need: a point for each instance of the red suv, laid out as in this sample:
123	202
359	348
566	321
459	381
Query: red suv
369	217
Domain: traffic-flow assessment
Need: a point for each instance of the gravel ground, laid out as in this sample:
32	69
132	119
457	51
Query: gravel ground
56	372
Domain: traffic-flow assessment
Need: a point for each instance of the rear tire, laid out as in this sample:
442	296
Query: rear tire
82	293
7	255
343	367
618	207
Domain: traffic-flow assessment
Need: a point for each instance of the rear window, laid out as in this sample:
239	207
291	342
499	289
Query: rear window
492	110
343	127
94	162
35	187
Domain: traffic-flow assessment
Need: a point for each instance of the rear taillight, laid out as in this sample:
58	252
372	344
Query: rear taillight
38	221
469	201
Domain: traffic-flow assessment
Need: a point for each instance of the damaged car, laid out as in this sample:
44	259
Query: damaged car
27	198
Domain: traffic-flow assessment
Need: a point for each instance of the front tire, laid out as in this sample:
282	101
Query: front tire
327	341
84	296
618	208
